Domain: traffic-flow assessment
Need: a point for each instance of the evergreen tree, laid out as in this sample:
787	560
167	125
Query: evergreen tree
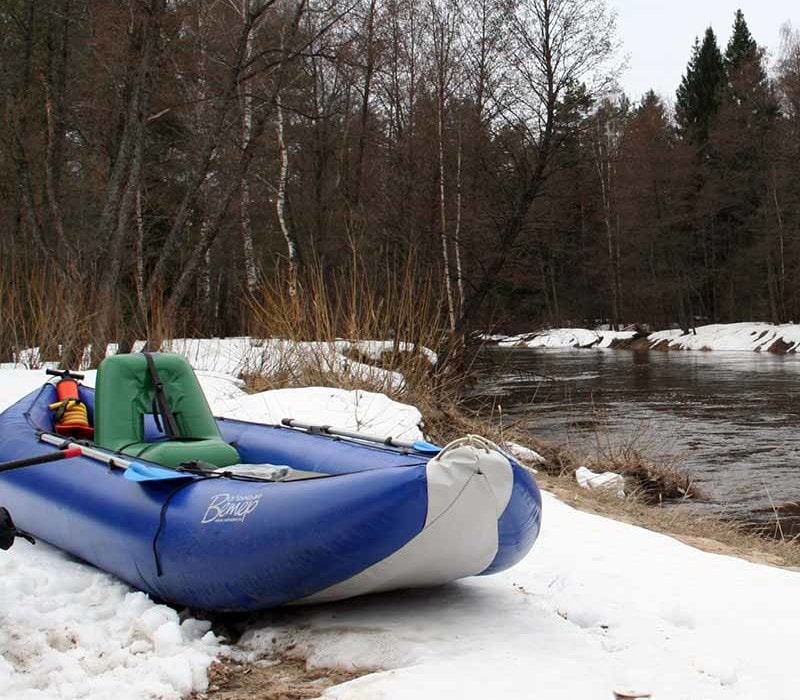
746	77
700	92
741	45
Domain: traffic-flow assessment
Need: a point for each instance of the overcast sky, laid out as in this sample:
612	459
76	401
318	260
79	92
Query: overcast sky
657	35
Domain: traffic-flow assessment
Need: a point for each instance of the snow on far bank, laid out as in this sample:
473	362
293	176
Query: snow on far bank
750	336
757	337
567	338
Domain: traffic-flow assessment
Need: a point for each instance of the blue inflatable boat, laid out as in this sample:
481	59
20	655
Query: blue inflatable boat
220	514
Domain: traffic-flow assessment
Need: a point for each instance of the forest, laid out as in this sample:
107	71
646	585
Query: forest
165	161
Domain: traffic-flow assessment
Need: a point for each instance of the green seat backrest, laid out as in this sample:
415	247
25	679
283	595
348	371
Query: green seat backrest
124	395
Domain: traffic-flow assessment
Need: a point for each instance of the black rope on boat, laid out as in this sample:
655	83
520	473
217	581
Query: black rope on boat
27	414
162	518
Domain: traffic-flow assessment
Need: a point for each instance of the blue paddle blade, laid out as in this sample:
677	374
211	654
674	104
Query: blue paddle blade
426	447
144	472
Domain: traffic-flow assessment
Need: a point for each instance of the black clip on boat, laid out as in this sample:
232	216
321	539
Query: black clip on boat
9	531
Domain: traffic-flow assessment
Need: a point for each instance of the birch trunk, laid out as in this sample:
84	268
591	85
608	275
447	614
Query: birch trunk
141	299
457	232
246	100
443	217
280	202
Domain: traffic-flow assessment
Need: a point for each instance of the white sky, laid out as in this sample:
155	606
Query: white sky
657	35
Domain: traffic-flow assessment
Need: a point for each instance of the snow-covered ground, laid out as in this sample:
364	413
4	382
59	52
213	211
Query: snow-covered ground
597	606
750	336
731	336
273	356
566	338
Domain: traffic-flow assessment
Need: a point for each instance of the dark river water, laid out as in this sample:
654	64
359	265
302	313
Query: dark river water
732	420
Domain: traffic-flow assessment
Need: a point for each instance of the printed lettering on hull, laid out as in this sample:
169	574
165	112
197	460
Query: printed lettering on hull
230	508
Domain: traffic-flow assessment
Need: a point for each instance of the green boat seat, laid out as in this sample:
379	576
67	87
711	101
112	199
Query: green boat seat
125	396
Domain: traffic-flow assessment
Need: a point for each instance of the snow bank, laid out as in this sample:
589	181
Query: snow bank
524	455
731	336
597	606
374	349
567	338
607	481
68	630
759	337
245	355
364	411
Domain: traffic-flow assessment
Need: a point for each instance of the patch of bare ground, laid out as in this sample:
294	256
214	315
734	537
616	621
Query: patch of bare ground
639	342
781	347
278	678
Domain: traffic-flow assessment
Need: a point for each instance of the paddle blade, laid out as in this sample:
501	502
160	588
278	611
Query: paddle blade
425	447
144	472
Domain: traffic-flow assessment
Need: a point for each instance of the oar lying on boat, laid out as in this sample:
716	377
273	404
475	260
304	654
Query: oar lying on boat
417	445
136	471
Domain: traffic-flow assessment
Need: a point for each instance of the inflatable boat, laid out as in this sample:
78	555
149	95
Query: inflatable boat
228	515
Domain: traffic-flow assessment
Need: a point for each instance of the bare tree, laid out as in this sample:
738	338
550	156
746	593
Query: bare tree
557	44
607	144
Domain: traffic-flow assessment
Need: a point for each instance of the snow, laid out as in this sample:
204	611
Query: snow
730	336
606	481
737	337
68	630
598	606
523	454
567	338
373	349
271	356
363	411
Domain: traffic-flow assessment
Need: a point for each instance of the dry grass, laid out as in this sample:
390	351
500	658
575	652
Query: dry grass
38	311
45	318
337	312
270	679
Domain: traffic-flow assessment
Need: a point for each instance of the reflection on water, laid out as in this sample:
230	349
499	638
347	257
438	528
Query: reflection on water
732	418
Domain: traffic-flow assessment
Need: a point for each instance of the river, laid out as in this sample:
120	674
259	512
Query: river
732	420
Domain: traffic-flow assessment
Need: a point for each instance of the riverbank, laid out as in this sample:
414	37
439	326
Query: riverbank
606	601
737	337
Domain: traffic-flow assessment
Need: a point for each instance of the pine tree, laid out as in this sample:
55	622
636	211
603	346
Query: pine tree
700	93
746	77
741	46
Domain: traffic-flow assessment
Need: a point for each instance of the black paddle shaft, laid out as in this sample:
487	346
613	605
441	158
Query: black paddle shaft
40	459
